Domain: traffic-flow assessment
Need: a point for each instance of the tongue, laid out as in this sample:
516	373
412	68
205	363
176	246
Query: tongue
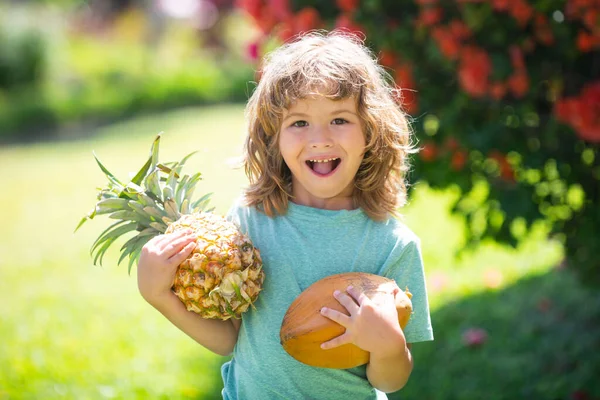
323	168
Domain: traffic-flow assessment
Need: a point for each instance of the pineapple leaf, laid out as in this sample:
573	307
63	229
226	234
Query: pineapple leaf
82	222
116	224
167	170
154	212
191	186
150	164
153	184
100	253
159	226
139	177
201	203
108	174
133	258
170	185
179	167
185	207
171	209
111	235
181	189
133	244
154	151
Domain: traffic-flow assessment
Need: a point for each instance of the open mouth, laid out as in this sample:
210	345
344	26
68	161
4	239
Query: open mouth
324	167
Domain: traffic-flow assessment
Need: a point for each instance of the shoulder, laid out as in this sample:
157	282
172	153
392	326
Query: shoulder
244	215
397	231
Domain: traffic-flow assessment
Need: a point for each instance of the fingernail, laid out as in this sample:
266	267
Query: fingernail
350	287
323	346
336	293
323	310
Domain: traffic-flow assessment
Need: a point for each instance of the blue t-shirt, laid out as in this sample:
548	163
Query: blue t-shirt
299	248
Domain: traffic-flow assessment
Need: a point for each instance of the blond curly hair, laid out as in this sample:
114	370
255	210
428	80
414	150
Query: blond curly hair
337	65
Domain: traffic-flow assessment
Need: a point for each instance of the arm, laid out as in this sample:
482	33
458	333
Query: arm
374	328
158	263
390	372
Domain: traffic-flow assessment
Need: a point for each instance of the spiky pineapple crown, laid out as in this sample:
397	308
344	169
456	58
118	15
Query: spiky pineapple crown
155	197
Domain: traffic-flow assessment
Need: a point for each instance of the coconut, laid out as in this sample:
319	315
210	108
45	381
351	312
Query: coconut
304	329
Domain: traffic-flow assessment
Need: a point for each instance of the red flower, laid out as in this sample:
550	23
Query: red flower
565	108
500	5
252	7
474	71
448	45
348	6
518	83
451	144
458	160
388	58
459	29
428	152
585	42
307	19
590	19
281	8
516	57
497	90
474	337
521	11
267	20
588	121
252	51
506	171
345	22
429	16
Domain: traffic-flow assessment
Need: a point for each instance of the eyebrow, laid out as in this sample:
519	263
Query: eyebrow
301	115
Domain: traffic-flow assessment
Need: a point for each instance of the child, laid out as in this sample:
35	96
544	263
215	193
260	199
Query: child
326	155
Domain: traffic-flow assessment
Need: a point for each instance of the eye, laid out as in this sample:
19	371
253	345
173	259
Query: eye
300	124
339	121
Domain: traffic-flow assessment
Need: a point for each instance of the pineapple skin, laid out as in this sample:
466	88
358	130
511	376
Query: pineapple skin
223	275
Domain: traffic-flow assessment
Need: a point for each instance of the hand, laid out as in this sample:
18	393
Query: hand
158	263
372	324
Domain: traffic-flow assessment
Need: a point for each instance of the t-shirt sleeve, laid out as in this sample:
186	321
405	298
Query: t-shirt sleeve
405	266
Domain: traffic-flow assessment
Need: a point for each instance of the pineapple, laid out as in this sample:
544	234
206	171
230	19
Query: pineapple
222	277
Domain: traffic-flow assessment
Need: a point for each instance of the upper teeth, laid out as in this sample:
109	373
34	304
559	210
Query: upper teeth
325	160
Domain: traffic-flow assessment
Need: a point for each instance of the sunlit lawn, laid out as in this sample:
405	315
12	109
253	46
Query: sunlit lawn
72	330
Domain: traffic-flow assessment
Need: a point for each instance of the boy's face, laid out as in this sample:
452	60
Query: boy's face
322	142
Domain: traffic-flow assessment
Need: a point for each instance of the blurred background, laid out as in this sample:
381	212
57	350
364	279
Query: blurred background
504	97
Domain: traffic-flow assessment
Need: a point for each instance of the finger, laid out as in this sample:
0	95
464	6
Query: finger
346	301
360	297
177	244
182	254
164	239
336	342
336	316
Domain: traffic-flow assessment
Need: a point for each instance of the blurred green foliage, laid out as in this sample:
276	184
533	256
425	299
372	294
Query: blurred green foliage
55	70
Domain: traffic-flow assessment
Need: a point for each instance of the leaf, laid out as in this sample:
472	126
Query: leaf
104	232
108	174
154	151
139	177
111	235
153	184
202	202
134	257
81	223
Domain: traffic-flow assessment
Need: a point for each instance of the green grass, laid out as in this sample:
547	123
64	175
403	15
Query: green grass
71	330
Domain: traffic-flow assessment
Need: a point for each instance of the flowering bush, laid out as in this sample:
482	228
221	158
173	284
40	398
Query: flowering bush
505	96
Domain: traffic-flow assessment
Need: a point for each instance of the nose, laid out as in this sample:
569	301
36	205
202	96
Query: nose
320	138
